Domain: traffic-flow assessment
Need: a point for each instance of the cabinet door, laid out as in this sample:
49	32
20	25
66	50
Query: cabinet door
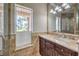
48	51
59	49
56	53
63	51
42	46
49	48
68	52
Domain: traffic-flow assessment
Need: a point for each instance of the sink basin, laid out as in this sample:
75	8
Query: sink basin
66	40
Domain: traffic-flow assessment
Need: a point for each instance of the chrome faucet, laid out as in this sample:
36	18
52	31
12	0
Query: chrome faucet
63	36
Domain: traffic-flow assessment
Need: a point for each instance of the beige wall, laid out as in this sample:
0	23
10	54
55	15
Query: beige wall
39	23
39	16
51	20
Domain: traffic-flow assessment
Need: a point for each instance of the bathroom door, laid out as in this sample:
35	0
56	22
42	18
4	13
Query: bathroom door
23	26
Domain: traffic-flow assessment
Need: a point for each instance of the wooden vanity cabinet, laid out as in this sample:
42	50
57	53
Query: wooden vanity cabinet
49	48
42	46
63	51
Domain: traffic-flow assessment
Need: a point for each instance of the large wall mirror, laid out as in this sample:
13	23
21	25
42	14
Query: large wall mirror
63	17
77	20
67	23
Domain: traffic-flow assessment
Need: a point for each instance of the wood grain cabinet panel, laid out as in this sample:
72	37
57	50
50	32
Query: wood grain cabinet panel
48	48
42	46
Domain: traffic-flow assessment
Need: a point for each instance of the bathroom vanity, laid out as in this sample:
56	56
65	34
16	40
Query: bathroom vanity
51	45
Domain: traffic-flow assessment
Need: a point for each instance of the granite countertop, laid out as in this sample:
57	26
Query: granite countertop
68	43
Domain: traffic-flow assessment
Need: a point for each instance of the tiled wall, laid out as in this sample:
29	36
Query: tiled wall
24	52
33	50
29	51
9	45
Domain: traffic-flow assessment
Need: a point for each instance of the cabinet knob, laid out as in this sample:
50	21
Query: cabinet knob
62	50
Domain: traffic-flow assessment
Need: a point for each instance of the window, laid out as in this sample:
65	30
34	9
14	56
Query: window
23	26
23	21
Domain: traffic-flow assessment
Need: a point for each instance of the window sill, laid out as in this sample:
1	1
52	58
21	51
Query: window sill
24	46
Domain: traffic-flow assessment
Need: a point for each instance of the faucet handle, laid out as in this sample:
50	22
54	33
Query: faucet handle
63	35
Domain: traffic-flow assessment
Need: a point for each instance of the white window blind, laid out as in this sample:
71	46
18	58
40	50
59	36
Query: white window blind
23	26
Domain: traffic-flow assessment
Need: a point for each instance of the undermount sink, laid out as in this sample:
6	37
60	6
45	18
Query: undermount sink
63	39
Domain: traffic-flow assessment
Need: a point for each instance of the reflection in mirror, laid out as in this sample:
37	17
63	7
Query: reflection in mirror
67	23
61	18
51	23
77	21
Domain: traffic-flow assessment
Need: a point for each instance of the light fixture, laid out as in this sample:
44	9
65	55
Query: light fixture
52	11
64	4
59	10
57	7
67	6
